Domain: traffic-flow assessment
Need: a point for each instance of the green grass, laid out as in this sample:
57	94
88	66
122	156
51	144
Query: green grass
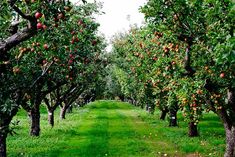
115	129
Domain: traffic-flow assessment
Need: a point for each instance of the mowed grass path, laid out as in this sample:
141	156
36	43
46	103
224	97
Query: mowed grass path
115	129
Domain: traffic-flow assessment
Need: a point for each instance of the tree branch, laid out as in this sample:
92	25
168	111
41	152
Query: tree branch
18	37
46	68
17	10
187	61
53	88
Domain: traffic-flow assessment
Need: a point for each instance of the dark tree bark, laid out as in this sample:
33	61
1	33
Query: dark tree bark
51	118
122	97
4	127
35	110
230	134
3	150
226	116
5	120
4	130
230	142
51	109
69	99
173	109
229	124
187	61
35	120
173	118
193	132
163	114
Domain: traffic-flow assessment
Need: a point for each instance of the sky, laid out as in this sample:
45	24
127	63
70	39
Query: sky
116	15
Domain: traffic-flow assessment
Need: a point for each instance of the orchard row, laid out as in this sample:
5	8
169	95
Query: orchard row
184	59
50	53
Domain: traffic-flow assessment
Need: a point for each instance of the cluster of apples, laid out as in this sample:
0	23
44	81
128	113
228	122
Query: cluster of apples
38	15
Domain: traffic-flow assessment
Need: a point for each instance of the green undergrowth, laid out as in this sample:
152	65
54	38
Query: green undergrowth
115	129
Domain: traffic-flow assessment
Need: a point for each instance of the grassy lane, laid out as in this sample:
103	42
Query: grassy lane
115	129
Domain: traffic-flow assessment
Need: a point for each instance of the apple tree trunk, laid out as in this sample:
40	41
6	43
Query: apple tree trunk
173	118
63	112
51	120
193	131
35	120
230	142
4	129
5	121
3	137
163	114
229	124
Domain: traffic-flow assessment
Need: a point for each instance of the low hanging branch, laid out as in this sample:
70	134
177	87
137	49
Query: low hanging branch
18	36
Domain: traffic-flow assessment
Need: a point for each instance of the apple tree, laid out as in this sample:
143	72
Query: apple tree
205	30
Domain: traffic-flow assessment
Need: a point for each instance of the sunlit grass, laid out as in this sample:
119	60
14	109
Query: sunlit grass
109	128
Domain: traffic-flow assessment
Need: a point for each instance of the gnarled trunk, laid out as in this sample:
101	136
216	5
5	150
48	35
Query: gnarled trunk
4	129
35	120
230	142
229	124
5	121
3	138
192	132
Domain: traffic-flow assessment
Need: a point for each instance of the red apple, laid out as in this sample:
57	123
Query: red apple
44	27
45	46
76	39
60	16
39	25
44	61
70	56
55	19
32	49
70	61
38	15
94	42
154	58
80	22
194	105
222	75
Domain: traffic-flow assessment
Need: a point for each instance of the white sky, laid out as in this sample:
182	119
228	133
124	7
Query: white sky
115	18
